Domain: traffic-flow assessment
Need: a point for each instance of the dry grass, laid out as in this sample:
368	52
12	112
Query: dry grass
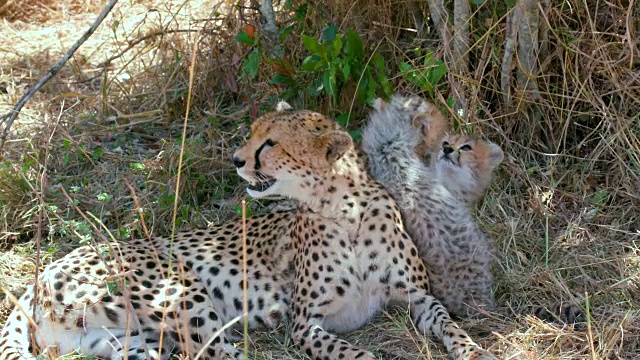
564	210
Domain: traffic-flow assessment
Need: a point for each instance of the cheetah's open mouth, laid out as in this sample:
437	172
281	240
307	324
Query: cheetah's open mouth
262	185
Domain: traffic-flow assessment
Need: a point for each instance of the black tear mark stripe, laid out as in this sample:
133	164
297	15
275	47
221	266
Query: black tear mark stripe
270	143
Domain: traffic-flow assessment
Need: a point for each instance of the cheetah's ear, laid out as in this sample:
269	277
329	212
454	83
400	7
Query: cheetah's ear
495	154
379	104
283	106
334	144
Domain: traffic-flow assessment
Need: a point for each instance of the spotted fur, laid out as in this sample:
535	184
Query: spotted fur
351	252
458	255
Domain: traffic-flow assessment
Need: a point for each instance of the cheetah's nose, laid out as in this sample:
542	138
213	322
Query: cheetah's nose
238	162
447	149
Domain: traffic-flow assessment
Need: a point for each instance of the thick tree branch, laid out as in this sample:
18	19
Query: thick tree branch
269	27
528	47
10	117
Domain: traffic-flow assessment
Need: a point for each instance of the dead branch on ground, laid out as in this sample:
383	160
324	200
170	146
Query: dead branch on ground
10	117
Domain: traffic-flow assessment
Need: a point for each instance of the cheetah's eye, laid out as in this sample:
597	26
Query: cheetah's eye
269	143
466	148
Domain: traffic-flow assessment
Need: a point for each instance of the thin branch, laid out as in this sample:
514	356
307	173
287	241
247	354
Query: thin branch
137	41
459	64
10	117
507	58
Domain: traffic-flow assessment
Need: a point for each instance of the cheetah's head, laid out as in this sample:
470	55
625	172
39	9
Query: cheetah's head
290	152
465	165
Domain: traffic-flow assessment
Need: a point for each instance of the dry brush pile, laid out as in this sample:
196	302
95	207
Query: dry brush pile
555	83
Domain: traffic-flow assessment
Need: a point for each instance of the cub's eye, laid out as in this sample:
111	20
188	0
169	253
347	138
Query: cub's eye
270	143
466	148
445	144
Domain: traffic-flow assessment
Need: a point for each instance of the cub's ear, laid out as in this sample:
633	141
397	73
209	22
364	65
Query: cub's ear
334	144
283	106
379	104
495	154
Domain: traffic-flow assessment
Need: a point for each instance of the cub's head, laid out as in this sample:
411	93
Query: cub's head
422	115
464	165
290	152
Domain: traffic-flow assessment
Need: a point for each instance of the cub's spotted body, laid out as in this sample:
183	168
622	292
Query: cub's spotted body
457	254
352	255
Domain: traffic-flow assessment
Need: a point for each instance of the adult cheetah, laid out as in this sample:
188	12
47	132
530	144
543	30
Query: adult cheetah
72	312
352	254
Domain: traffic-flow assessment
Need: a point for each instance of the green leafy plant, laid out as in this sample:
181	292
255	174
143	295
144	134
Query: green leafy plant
428	76
338	59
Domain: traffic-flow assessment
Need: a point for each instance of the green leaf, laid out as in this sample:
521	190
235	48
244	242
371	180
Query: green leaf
343	119
385	85
316	87
478	2
511	3
285	32
244	38
346	69
137	166
279	78
301	12
450	102
355	134
251	64
600	197
371	89
312	63
354	45
329	81
313	45
337	46
329	32
436	72
413	76
97	153
378	62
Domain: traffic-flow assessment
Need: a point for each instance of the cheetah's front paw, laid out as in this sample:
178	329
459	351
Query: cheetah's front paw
479	354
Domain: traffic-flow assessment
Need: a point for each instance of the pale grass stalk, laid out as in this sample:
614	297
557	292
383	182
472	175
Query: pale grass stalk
589	331
245	300
215	335
180	159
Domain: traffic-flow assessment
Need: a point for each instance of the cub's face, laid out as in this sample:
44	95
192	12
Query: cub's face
289	153
465	165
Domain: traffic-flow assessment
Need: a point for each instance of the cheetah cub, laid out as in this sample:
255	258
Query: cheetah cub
435	208
465	166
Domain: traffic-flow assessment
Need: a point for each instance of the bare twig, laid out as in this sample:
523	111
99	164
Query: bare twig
507	58
137	41
10	117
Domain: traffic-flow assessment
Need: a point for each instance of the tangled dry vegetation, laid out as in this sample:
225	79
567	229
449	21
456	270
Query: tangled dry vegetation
564	209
